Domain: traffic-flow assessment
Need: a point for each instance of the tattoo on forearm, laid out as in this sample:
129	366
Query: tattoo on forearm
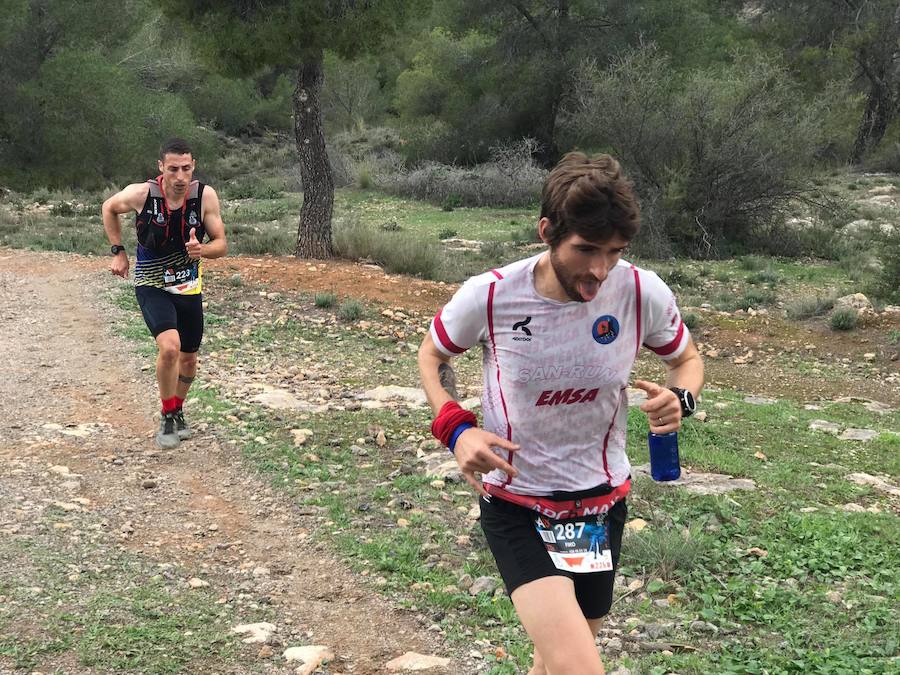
448	380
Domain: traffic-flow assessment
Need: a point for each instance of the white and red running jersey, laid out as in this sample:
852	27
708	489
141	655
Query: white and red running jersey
555	373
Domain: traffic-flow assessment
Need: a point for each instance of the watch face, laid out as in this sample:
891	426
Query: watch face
689	401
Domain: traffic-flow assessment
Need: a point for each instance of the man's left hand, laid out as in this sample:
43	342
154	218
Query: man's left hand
662	407
194	247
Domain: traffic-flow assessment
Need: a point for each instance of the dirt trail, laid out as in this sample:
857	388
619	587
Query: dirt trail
196	507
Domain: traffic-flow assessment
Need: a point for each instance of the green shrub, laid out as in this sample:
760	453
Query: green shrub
752	263
757	297
525	234
451	202
766	276
450	186
325	300
679	277
82	110
261	239
493	250
691	320
666	553
447	233
727	301
844	318
809	306
226	104
717	154
885	283
363	176
350	310
250	187
235	280
401	253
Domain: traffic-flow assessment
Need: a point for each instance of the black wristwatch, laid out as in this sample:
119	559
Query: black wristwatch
115	249
686	399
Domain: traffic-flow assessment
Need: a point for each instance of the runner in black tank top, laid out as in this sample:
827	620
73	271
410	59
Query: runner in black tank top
174	215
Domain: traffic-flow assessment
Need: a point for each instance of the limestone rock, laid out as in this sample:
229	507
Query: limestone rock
483	585
703	483
876	482
826	426
259	632
390	392
442	465
411	662
310	657
856	301
858	435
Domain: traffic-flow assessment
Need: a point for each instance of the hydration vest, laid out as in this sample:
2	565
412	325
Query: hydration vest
163	231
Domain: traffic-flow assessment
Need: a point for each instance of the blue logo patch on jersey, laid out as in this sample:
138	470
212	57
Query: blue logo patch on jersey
606	329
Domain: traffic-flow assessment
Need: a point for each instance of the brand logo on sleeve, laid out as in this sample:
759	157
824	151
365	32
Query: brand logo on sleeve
606	329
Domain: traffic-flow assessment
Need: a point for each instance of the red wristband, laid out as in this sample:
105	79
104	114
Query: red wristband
451	416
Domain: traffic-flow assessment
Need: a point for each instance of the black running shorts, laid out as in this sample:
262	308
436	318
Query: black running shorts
167	311
521	556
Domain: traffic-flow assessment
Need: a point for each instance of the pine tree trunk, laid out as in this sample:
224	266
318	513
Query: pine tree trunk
314	232
877	115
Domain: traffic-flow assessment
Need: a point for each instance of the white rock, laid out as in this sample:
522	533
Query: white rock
635	396
281	399
442	466
702	483
825	425
311	657
259	632
483	585
636	525
853	508
760	400
876	482
858	435
196	582
410	395
856	301
411	661
301	435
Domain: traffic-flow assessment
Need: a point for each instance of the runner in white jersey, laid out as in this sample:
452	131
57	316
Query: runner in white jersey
559	334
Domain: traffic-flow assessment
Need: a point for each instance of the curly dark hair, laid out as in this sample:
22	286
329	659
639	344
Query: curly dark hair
590	197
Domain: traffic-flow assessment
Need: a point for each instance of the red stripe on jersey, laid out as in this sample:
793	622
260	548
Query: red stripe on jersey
606	440
497	274
637	309
490	316
665	350
443	337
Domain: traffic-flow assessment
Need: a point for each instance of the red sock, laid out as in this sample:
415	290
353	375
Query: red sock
178	402
168	405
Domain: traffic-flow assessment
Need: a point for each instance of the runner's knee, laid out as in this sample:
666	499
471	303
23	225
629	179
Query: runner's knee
187	361
169	346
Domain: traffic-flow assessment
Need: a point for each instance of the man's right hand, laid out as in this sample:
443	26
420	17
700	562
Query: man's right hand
474	452
119	265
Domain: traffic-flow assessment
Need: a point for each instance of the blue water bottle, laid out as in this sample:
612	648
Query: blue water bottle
664	464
